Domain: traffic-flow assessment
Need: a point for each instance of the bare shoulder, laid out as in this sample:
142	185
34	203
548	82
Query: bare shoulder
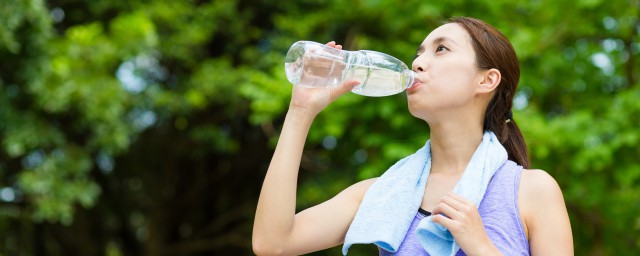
538	190
538	181
544	214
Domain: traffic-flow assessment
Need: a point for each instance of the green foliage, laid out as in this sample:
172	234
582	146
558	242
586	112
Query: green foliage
154	121
56	182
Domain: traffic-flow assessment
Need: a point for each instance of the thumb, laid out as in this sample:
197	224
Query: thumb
346	87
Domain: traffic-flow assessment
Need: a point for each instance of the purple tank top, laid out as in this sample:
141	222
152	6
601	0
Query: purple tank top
499	212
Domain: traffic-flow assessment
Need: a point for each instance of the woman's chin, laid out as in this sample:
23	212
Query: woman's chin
414	109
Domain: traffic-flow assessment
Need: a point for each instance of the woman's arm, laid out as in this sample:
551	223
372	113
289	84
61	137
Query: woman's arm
276	206
277	229
544	214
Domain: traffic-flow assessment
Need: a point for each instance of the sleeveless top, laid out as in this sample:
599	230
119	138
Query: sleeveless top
499	213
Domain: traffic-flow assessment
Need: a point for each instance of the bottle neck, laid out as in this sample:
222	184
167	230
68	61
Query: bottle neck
409	77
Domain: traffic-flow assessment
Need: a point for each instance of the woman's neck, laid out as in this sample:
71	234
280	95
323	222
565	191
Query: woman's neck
452	147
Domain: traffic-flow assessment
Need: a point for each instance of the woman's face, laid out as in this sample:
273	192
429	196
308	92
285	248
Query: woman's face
446	74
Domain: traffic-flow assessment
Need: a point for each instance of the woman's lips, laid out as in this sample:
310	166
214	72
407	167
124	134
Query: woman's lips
415	86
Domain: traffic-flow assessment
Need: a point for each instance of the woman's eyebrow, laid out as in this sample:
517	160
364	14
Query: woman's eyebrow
436	41
441	39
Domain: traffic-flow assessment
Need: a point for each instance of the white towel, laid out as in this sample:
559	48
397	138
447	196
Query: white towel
392	202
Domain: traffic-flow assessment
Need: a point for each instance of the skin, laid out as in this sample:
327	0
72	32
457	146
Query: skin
450	94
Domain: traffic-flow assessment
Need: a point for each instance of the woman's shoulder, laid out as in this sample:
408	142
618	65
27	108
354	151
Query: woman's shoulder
536	182
539	195
544	212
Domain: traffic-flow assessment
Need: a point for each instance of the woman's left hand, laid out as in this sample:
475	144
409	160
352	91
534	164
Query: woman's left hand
461	217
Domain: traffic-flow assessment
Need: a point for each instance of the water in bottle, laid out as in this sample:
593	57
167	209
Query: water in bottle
313	64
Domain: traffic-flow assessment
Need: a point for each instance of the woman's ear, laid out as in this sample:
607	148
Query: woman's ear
490	80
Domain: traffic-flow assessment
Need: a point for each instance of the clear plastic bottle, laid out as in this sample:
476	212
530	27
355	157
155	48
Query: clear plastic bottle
313	64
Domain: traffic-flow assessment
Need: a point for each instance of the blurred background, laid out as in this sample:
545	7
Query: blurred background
145	127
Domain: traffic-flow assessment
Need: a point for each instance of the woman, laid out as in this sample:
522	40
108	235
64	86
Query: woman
466	76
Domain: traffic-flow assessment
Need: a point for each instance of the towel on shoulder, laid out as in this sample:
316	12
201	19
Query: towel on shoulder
388	207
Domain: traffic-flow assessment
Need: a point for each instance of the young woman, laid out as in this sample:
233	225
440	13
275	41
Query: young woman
466	76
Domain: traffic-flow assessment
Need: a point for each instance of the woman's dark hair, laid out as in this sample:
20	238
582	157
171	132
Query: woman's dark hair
493	50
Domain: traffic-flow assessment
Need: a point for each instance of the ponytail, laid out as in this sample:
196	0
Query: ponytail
512	139
509	135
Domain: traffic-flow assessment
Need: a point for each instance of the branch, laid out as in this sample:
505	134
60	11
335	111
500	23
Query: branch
629	65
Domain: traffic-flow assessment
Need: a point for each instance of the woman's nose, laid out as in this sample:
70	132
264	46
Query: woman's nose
418	65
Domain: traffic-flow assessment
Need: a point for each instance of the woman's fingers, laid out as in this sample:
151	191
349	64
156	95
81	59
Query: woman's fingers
443	220
458	198
454	210
446	210
334	45
457	202
453	202
461	217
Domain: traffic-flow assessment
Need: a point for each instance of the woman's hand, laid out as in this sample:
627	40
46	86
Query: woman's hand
461	217
314	100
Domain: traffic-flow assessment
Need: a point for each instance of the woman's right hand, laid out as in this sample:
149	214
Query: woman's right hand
314	100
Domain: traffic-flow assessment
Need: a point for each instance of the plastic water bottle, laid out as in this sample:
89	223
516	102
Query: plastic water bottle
313	64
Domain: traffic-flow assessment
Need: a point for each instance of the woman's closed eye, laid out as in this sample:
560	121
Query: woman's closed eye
438	49
441	48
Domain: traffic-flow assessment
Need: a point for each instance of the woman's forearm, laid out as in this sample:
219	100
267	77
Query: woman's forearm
276	206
